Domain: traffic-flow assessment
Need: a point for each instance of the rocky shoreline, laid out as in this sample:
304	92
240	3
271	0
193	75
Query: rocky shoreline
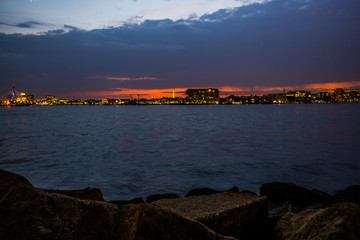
282	211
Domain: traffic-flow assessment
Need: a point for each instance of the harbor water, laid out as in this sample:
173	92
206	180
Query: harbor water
135	151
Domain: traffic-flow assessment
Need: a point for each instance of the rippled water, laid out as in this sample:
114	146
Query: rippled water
134	151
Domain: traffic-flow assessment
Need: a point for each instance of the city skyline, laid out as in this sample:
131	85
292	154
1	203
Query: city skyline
192	96
181	93
238	47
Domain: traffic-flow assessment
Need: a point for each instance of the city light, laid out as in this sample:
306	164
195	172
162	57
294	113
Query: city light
194	96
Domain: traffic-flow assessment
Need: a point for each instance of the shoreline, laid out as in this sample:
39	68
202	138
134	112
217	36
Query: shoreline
182	104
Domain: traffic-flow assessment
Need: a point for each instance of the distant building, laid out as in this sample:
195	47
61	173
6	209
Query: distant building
299	96
49	96
30	98
202	96
22	98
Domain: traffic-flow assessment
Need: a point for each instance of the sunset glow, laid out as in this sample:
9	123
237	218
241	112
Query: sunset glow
224	90
126	92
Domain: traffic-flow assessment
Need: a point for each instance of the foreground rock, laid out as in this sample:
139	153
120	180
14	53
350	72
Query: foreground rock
9	180
144	221
350	194
201	191
240	215
30	213
289	192
155	197
339	221
122	203
83	194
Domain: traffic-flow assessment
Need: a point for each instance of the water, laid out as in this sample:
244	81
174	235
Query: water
134	151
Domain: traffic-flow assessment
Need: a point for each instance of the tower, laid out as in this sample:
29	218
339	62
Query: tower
13	94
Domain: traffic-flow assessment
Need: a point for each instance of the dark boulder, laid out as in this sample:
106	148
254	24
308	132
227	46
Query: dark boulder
148	222
350	194
155	197
234	214
83	194
285	192
29	213
248	192
9	180
338	221
233	189
201	191
122	203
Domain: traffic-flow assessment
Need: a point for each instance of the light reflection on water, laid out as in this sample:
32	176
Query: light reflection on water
134	151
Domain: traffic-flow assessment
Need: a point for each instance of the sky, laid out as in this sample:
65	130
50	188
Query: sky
114	48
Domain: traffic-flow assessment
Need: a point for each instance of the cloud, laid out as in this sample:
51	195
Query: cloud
131	79
252	14
30	24
71	27
330	86
38	28
313	87
182	9
55	32
116	14
126	92
217	16
6	24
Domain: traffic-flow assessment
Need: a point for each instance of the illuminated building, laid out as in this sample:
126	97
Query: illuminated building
202	96
299	97
18	99
49	96
21	98
323	97
30	98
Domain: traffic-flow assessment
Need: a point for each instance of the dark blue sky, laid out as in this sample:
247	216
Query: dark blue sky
292	44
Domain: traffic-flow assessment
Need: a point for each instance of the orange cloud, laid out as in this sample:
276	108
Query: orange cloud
316	87
332	86
313	87
126	92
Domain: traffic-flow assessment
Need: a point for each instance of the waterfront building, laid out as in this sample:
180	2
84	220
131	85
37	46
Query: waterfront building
346	96
21	99
299	97
48	100
323	97
202	96
113	101
277	98
18	99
